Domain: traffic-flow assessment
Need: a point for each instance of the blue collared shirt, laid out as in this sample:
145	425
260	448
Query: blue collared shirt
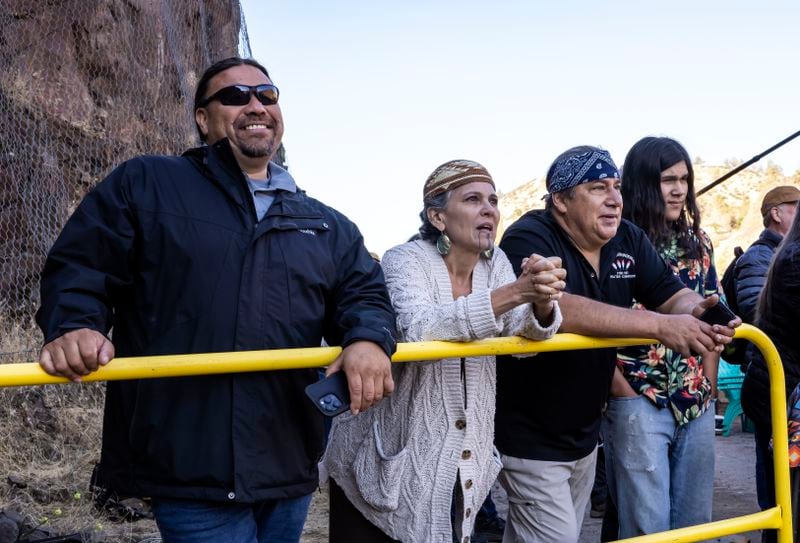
263	191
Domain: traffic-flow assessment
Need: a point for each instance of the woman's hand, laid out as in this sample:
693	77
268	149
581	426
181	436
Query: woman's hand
541	282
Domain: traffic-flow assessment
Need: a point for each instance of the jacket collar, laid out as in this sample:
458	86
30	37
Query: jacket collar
294	204
218	163
773	238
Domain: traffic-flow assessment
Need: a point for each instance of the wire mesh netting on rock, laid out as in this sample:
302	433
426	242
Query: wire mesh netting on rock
85	86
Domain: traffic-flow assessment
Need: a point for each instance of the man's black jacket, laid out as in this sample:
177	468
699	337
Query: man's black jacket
751	272
167	250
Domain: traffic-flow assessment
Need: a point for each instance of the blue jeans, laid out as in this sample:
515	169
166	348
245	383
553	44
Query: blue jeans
194	521
663	474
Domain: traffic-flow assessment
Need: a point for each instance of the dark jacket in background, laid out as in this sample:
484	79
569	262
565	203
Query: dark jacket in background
167	250
751	272
782	324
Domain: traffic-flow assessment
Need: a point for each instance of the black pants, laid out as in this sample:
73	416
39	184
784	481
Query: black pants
765	476
602	497
347	524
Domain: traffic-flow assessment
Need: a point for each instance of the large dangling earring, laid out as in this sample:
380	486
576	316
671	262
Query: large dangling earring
443	244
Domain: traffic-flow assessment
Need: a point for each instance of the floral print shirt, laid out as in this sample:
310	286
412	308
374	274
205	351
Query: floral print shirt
661	374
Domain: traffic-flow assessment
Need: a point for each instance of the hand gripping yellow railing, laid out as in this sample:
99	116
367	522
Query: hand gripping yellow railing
778	517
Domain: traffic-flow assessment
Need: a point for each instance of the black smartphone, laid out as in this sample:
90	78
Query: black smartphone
331	394
718	314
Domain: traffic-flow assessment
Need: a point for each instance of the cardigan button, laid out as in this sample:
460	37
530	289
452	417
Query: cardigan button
468	512
231	495
465	455
461	424
468	484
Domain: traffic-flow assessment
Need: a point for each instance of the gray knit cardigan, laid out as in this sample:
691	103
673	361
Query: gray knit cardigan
398	462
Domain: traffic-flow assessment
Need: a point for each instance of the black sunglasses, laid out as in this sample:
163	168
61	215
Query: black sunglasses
239	95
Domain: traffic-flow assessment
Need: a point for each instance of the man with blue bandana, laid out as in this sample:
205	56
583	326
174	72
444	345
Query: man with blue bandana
548	408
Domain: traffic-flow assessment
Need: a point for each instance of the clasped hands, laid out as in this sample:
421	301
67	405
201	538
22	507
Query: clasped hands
541	282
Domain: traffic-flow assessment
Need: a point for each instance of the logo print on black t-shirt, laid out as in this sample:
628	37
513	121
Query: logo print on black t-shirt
623	267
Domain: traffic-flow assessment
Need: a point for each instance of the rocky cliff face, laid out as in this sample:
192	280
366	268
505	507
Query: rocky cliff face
85	85
730	212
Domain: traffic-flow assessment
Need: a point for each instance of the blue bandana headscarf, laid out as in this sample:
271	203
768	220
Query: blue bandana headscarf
581	168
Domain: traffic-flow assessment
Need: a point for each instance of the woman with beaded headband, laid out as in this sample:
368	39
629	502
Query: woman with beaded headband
418	467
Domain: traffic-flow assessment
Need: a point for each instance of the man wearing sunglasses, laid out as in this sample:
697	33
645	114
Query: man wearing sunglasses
216	250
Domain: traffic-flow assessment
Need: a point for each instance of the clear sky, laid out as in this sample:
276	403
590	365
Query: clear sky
376	94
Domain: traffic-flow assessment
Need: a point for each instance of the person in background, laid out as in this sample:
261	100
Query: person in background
549	461
659	422
778	209
216	250
397	471
777	315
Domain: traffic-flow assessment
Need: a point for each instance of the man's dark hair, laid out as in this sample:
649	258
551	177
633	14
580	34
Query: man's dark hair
567	194
643	200
214	69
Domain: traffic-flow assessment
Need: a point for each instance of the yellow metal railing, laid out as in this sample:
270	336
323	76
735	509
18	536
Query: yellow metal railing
778	517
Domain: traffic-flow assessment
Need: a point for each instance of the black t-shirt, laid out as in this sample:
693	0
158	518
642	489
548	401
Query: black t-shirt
548	407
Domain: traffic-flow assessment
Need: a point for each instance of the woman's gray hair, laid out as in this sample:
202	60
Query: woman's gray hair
427	231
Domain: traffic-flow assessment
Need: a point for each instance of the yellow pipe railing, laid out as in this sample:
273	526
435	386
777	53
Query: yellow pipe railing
149	367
